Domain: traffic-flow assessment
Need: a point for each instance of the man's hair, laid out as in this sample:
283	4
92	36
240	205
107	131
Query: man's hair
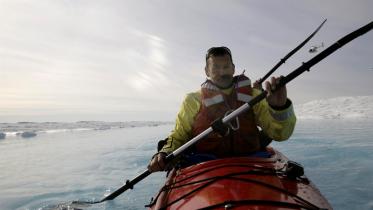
218	51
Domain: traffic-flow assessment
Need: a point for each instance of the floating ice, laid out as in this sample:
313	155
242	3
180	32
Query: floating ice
28	134
31	129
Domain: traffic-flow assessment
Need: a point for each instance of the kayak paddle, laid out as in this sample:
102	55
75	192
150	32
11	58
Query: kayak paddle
283	81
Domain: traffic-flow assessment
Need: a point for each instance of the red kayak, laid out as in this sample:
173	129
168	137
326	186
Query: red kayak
240	183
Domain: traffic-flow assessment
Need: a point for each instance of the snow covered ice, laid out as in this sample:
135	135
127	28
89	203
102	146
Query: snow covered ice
358	107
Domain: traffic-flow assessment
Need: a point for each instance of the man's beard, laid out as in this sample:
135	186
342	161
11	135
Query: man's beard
225	81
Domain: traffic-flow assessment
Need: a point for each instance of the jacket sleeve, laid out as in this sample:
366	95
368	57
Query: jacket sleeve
184	121
277	124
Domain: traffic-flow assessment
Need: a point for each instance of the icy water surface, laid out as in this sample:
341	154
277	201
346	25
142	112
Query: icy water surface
55	168
338	157
58	167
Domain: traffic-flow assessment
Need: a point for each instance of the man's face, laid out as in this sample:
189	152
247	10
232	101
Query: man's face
220	70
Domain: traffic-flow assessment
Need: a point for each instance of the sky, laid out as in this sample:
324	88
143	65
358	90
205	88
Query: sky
120	60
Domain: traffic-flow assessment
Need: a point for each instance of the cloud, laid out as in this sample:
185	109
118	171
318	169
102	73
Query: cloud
151	73
137	55
345	11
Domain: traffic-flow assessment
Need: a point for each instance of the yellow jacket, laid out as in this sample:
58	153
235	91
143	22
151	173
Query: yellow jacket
278	125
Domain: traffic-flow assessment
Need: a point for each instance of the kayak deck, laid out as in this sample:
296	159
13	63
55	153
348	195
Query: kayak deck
239	183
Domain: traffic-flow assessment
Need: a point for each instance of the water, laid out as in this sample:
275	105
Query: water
337	156
54	168
58	167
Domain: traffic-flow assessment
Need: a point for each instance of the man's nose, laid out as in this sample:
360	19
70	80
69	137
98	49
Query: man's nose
221	70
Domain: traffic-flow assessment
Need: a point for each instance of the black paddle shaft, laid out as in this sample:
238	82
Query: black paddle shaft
283	81
129	185
307	65
282	61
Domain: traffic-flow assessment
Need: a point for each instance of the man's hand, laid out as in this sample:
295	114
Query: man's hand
257	85
157	163
278	98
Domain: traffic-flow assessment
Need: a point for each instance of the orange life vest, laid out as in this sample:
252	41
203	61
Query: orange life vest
215	104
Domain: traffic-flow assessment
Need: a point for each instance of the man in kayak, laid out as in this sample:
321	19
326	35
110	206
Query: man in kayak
219	95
